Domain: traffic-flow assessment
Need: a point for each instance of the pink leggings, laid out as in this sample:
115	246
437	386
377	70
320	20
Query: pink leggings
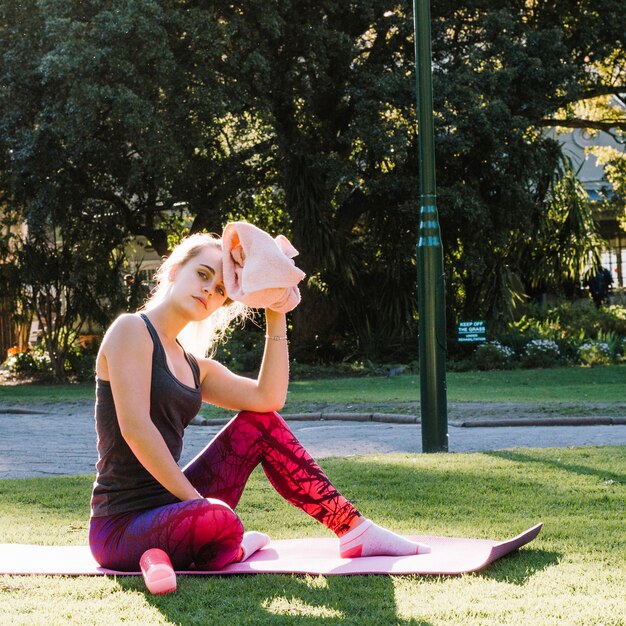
206	533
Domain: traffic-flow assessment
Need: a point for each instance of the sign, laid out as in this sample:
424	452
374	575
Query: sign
475	330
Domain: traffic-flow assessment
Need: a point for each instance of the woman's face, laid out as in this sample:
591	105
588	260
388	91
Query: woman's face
199	283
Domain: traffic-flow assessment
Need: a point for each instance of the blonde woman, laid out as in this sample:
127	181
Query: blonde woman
151	378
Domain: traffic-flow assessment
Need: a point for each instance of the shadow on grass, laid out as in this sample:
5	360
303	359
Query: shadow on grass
556	463
296	599
518	567
278	599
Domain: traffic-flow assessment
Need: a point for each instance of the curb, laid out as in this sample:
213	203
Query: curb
548	421
389	418
398	418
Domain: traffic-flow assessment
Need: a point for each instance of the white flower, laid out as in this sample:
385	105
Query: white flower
545	346
595	346
505	351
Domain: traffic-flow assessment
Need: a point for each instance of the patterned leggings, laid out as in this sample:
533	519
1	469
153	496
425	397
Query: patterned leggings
207	533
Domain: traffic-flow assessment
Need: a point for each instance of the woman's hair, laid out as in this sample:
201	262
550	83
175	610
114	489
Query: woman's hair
199	338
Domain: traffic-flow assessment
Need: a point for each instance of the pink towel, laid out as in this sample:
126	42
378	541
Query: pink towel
259	271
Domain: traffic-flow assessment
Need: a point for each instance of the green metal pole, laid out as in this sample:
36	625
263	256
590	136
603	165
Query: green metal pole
430	275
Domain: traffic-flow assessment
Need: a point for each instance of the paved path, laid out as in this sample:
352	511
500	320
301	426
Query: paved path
58	443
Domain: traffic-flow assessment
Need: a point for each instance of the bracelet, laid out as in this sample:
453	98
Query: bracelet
276	337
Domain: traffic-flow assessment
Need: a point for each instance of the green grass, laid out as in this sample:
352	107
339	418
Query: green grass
16	394
604	384
574	573
571	384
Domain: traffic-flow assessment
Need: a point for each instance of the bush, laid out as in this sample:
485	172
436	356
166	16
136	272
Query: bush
614	342
305	371
568	321
493	356
568	326
22	363
243	349
541	353
455	364
81	363
594	353
29	363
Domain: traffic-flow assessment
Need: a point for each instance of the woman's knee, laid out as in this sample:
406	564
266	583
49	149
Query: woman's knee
218	522
218	533
263	420
217	504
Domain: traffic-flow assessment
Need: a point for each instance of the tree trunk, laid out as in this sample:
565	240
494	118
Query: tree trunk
316	317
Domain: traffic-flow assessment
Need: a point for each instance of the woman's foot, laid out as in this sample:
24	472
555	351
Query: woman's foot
252	542
369	539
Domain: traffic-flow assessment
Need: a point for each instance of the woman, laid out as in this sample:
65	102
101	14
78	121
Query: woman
149	387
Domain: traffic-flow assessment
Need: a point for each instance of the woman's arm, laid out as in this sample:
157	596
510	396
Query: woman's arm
269	391
125	360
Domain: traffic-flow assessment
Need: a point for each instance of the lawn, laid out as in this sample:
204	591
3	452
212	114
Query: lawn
566	384
559	385
574	573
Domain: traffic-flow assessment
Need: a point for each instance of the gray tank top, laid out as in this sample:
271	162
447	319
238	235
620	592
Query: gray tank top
122	483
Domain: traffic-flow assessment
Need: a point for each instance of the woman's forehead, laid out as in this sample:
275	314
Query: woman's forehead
210	256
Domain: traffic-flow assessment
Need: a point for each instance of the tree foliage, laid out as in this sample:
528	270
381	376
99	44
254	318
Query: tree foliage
70	278
505	71
300	117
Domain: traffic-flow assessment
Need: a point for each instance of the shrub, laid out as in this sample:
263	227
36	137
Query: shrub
21	363
568	325
81	362
593	353
243	349
305	371
614	342
29	363
493	356
541	353
568	320
456	364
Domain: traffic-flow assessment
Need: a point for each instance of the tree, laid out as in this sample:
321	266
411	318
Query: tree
607	113
301	116
329	92
331	86
503	74
70	278
119	100
100	122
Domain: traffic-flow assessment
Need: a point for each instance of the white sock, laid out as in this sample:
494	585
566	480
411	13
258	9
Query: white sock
369	539
252	542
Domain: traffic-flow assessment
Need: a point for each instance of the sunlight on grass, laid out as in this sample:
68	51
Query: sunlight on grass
559	594
45	601
571	384
295	606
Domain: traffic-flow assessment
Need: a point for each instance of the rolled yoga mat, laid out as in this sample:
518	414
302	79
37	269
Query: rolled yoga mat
288	556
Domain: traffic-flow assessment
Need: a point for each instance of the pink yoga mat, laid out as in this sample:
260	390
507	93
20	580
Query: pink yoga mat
288	556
